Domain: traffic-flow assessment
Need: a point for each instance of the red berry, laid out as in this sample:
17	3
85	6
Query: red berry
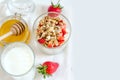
51	67
50	45
47	68
54	8
61	38
61	42
61	21
64	31
41	41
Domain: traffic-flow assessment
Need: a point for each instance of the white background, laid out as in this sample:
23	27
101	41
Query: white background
96	38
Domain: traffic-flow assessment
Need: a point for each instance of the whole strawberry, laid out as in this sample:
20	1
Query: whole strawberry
55	8
47	68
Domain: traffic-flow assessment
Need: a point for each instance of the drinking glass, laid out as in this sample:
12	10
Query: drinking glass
22	7
18	69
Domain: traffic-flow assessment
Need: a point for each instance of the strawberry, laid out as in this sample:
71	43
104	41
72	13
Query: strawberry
60	38
41	41
55	8
64	31
60	42
47	68
49	45
61	21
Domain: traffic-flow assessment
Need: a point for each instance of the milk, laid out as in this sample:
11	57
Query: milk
18	61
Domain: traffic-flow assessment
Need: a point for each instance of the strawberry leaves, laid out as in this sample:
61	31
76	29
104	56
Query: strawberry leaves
56	5
42	69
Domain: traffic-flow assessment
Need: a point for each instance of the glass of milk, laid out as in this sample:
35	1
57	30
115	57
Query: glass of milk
22	7
18	60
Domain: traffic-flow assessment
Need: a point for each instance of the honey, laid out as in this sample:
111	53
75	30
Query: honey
6	26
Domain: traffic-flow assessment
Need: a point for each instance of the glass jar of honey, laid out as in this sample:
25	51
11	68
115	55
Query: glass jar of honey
5	26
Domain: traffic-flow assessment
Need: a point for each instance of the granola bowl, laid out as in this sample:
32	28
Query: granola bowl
51	32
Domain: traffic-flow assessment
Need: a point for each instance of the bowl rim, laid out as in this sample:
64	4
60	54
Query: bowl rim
70	31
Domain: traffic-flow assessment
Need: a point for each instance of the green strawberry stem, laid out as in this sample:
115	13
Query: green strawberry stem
42	70
56	5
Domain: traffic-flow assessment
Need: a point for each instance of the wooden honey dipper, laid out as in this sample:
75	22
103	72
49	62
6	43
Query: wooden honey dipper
16	29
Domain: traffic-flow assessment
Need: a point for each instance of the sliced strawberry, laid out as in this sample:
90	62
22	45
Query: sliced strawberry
41	41
61	42
64	31
50	45
61	38
55	46
61	21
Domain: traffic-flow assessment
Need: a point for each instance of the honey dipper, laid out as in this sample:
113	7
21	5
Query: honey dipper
16	29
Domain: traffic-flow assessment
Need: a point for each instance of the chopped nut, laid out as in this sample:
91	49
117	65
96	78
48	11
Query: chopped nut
56	42
48	38
61	24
